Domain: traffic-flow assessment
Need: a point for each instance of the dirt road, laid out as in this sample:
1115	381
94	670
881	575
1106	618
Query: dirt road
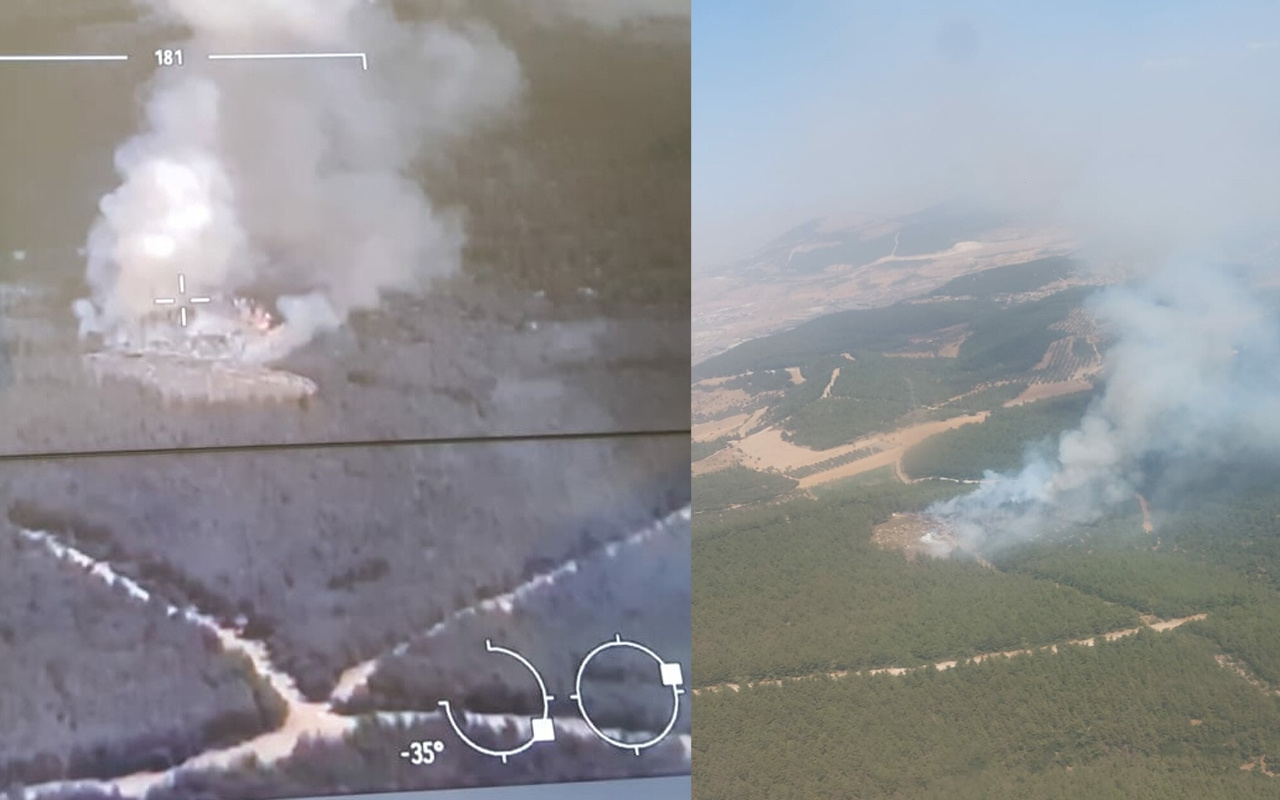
895	444
1160	626
835	373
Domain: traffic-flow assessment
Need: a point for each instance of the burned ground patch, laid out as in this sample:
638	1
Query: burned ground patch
465	362
916	535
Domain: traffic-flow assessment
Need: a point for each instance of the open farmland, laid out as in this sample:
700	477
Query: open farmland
882	383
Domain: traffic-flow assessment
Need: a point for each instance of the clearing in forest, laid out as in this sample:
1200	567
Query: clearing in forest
835	373
891	446
1043	391
737	426
708	404
768	449
718	428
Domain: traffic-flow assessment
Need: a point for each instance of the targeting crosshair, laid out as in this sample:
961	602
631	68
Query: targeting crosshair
542	729
671	676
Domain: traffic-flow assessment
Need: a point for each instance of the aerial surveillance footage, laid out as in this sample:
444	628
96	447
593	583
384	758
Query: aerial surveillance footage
455	223
255	624
986	401
343	381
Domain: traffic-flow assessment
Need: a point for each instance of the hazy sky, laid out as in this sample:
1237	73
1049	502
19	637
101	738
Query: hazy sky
1154	121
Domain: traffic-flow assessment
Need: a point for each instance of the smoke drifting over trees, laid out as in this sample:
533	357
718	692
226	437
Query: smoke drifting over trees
292	175
1191	385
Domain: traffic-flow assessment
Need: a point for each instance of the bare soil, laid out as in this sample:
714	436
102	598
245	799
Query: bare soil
903	532
708	404
721	459
895	444
1043	391
835	373
719	428
951	348
769	449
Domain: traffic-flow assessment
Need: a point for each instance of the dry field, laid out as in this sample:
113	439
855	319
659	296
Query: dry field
737	425
894	445
1061	371
1043	391
707	405
766	448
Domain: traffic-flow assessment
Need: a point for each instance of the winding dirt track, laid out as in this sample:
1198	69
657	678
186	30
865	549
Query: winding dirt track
305	719
1160	626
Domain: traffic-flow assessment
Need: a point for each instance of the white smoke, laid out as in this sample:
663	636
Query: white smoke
291	176
1193	382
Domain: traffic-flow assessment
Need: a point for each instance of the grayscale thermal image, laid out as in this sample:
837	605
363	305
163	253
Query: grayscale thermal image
343	396
231	223
284	624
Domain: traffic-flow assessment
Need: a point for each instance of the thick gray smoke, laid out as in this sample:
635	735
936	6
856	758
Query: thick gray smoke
1193	382
290	177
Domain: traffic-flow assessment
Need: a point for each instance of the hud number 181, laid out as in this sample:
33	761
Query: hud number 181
168	58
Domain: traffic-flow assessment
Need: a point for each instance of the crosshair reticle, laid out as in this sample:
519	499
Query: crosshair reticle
182	301
542	729
670	673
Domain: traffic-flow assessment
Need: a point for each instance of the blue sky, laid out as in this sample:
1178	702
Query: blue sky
1155	119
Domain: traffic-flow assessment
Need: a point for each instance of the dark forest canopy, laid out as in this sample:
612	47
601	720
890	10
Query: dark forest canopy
798	588
1149	716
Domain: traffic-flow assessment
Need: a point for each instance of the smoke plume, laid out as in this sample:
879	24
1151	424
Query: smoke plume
1192	384
291	177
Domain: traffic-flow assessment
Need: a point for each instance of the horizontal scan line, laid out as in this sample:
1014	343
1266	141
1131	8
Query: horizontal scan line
62	58
364	58
286	446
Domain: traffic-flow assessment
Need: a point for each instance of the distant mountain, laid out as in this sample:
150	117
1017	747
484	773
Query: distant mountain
829	265
816	245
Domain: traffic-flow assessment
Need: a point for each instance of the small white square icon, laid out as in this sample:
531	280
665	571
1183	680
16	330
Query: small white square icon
543	730
672	675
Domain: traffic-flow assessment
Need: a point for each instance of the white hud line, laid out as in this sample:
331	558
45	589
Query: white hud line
63	58
364	58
